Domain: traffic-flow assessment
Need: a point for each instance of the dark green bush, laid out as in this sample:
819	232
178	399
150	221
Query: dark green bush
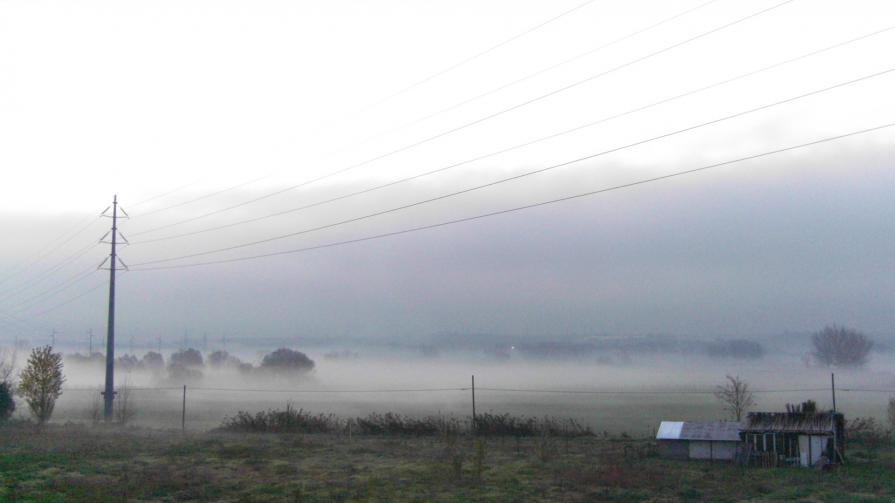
7	403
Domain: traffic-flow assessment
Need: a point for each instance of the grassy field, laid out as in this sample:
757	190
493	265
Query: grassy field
76	463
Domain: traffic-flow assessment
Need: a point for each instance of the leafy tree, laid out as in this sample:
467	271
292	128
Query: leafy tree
126	362
190	358
222	358
41	382
840	347
186	365
152	361
283	361
736	397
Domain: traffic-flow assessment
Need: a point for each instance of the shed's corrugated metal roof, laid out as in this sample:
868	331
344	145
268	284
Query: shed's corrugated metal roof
791	422
724	431
669	430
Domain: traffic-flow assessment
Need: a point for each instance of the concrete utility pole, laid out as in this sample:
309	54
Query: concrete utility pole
109	392
90	336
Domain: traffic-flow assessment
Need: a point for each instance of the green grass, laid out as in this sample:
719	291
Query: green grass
69	463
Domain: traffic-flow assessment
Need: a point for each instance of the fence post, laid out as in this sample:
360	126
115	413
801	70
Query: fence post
183	411
474	422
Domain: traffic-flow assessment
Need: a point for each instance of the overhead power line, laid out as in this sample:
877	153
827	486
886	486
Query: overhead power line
522	145
537	73
55	290
36	280
478	55
378	103
52	247
207	196
525	207
69	301
494	389
472	123
164	194
522	175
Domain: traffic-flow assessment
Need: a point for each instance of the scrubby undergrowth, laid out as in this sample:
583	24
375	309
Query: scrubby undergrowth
293	420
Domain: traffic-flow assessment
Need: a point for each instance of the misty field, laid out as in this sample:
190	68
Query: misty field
75	463
649	391
345	450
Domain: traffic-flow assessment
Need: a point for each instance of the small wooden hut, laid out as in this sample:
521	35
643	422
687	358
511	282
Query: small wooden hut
794	438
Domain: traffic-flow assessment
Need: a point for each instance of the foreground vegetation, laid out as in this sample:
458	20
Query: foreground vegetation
293	420
65	463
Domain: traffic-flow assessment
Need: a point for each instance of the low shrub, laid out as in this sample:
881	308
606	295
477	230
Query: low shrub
294	420
522	426
285	421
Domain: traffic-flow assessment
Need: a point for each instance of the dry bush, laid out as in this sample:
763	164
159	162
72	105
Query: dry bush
866	432
286	421
522	426
301	421
124	406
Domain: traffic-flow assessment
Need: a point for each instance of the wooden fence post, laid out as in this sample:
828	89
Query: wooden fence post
474	422
183	411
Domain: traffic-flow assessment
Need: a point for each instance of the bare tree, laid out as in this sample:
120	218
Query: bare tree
735	396
41	382
840	347
124	407
7	366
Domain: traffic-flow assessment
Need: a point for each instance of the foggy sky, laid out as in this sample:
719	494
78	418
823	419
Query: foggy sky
138	100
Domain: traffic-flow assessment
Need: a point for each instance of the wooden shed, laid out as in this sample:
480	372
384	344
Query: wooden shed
715	440
795	438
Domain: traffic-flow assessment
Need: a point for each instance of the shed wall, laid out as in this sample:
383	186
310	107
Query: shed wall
674	449
700	449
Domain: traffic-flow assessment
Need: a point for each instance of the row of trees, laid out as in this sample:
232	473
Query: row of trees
190	365
40	382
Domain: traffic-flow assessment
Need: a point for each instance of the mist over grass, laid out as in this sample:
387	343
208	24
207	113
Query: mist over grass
637	388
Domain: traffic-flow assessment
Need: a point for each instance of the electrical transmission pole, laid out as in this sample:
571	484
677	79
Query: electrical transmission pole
113	260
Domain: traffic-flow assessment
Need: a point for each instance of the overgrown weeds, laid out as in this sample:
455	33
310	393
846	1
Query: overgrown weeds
293	420
523	426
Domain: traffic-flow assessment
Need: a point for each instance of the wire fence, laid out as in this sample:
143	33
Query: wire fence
206	407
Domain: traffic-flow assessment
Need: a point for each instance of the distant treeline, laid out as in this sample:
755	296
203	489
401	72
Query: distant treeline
189	365
617	349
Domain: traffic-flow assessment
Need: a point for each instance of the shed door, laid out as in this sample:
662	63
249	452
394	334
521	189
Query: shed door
816	449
